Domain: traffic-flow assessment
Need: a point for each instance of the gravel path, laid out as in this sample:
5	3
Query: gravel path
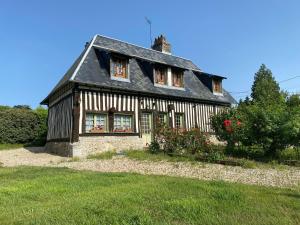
203	171
32	156
207	171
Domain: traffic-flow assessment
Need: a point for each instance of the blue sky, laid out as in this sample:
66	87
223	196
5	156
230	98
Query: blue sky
39	40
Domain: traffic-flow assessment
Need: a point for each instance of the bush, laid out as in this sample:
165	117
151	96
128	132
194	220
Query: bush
289	154
228	127
269	120
253	125
215	156
154	147
252	152
19	125
180	142
290	129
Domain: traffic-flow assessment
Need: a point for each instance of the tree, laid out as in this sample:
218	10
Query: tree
4	107
22	107
265	89
293	101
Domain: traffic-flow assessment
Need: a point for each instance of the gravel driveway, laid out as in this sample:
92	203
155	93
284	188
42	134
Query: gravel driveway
203	171
32	156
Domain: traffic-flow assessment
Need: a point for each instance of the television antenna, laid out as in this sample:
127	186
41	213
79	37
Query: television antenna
150	28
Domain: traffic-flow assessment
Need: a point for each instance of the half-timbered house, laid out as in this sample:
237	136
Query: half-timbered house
114	92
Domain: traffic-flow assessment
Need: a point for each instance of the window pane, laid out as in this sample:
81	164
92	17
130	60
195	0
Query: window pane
122	123
162	118
89	122
177	78
120	67
95	123
217	86
160	75
146	123
178	121
100	122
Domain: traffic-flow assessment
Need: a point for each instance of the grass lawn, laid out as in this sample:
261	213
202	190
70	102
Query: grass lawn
63	196
10	146
146	155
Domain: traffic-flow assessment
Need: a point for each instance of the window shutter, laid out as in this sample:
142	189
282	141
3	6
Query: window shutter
115	69
124	69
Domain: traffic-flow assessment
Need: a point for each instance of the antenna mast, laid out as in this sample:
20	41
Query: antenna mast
150	26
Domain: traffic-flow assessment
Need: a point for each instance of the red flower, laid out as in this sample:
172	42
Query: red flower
227	123
238	123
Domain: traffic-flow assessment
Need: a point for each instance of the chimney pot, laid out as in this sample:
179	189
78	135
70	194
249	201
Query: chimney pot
161	45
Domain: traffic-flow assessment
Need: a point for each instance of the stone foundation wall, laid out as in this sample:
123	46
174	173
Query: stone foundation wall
96	144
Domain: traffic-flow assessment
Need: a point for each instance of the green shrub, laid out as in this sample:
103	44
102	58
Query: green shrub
252	152
291	153
248	164
228	126
19	125
181	141
154	147
214	156
270	120
253	125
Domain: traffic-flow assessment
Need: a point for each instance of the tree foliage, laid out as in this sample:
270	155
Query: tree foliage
293	101
22	107
265	89
269	120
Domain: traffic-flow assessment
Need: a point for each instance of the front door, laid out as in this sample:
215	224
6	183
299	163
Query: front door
146	128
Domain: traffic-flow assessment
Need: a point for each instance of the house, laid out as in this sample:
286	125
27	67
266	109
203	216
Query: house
114	93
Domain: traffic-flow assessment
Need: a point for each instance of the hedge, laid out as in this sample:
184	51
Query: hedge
19	125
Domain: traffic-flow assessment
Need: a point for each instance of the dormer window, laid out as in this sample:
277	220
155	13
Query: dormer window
217	86
168	77
119	68
161	76
177	78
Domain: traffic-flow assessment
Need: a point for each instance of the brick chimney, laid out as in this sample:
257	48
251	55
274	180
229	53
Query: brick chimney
161	45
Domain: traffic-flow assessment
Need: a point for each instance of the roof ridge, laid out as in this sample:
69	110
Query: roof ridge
83	57
115	39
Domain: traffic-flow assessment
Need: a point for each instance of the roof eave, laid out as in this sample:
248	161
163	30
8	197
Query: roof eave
212	75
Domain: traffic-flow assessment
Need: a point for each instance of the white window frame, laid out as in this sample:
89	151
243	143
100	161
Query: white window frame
94	121
169	84
213	88
112	70
123	114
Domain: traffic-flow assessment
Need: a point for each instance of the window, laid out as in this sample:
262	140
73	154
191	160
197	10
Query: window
177	78
146	120
162	119
95	123
119	68
217	86
160	75
122	123
178	121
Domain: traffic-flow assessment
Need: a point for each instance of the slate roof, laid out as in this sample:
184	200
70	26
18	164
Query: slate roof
144	53
92	68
